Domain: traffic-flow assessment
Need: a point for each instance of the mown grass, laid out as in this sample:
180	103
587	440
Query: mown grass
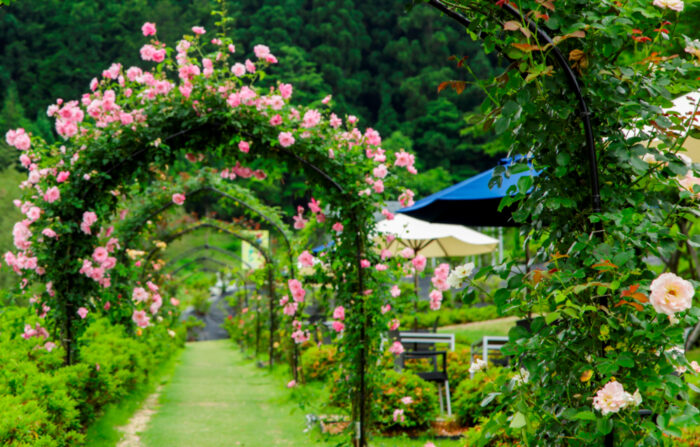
104	432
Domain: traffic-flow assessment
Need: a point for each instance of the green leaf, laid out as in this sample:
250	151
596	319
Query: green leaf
550	317
518	420
604	425
625	360
585	416
488	399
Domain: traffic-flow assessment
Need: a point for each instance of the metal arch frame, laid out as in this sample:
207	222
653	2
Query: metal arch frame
361	413
241	202
268	261
201	259
571	78
585	113
205	247
206	269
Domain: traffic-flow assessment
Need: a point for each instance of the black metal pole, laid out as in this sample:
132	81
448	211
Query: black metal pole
573	83
271	286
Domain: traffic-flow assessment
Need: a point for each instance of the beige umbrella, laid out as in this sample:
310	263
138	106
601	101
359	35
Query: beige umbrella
686	107
432	240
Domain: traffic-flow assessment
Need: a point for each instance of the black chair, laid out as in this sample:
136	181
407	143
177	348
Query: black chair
438	374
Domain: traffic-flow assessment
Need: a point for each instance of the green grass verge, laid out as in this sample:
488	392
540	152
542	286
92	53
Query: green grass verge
468	335
104	431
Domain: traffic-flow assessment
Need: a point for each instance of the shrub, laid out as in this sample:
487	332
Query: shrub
43	403
395	386
470	394
458	363
318	362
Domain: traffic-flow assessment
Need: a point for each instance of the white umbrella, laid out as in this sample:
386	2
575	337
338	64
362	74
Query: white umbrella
686	107
434	240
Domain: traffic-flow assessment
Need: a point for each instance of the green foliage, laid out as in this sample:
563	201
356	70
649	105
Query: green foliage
319	362
9	214
592	320
47	404
472	392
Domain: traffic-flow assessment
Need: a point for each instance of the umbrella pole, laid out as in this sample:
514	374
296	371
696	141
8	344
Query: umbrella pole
415	284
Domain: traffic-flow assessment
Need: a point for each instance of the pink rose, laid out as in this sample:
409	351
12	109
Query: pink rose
198	30
238	69
306	259
286	139
338	326
407	252
52	194
244	146
62	176
291	384
396	348
339	313
286	90
419	262
671	294
261	51
395	291
337	227
611	398
141	318
149	29
178	199
82	312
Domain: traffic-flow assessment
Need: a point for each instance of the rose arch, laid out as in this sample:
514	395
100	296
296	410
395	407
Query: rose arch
195	106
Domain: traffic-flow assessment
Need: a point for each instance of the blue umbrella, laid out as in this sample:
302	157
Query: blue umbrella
471	202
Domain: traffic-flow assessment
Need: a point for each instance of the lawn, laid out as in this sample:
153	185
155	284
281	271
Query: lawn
469	333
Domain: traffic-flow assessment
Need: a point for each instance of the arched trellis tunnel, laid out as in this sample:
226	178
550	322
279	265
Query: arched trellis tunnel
217	120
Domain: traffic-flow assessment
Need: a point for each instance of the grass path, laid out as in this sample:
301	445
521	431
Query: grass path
216	398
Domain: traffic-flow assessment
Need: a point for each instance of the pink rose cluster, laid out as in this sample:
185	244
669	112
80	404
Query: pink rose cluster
263	52
407	160
289	307
101	263
18	138
406	198
243	172
299	336
150	297
296	290
440	283
339	317
315	207
299	221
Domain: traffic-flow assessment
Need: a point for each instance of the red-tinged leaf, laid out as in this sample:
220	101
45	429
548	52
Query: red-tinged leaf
605	264
637	306
511	25
457	86
639	296
547	4
514	25
630	291
580	34
526	47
